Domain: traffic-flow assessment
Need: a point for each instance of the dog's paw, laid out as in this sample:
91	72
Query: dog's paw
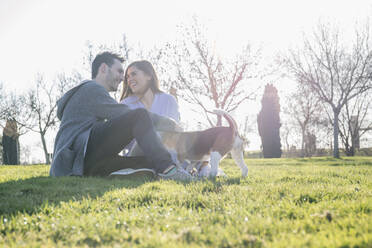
244	172
221	173
205	171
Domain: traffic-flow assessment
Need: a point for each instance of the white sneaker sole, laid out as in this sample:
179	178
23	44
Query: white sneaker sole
132	173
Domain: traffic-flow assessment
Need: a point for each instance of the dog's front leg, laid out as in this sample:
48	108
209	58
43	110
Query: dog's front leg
204	168
215	161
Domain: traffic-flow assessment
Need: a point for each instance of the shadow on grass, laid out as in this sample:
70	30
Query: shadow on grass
350	162
30	195
319	161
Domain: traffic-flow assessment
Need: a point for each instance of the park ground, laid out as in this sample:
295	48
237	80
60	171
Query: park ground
316	202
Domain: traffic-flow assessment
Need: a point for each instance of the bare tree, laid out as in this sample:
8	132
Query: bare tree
206	80
333	71
285	133
120	47
65	81
306	112
354	122
41	102
324	129
12	106
15	109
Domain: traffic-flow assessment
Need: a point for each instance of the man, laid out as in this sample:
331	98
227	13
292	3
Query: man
95	128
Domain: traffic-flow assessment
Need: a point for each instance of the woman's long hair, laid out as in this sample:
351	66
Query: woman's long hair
148	69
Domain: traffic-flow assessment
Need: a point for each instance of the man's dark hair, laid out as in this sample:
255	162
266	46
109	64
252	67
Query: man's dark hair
107	58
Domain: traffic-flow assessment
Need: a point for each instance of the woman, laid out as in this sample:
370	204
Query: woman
141	90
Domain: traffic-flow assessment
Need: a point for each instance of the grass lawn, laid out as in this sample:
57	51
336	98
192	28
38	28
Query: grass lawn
318	202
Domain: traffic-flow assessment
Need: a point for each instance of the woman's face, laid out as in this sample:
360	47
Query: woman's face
138	81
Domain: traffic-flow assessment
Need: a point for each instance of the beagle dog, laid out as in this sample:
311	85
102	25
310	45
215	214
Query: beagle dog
211	145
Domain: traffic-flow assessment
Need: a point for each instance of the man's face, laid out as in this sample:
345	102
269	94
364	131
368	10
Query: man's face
115	75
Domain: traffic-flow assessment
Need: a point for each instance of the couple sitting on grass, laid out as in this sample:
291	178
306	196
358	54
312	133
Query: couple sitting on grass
94	128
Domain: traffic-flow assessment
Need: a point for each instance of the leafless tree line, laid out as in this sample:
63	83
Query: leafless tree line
334	84
335	77
35	110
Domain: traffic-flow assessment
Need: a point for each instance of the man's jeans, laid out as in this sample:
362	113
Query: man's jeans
108	138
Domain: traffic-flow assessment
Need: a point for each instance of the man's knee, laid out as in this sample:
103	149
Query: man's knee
141	114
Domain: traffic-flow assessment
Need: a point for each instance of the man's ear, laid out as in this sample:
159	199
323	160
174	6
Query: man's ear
103	68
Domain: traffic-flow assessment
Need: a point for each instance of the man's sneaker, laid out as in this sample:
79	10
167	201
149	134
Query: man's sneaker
176	173
133	173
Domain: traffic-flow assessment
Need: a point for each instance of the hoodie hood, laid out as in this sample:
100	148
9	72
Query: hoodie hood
63	101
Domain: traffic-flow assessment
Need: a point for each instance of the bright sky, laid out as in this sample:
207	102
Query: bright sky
49	36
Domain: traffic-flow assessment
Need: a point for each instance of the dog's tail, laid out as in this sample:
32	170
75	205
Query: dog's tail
228	117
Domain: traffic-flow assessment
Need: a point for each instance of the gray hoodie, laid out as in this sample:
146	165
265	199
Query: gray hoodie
79	109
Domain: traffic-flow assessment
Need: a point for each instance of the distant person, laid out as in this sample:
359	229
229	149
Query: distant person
10	143
95	128
141	90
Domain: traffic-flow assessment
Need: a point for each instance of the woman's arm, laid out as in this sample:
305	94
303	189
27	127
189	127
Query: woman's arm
172	108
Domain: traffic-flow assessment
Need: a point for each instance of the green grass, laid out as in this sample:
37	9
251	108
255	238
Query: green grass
317	202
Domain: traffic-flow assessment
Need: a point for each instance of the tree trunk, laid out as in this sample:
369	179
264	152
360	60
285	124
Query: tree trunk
352	147
336	152
352	151
347	148
355	141
303	144
47	159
